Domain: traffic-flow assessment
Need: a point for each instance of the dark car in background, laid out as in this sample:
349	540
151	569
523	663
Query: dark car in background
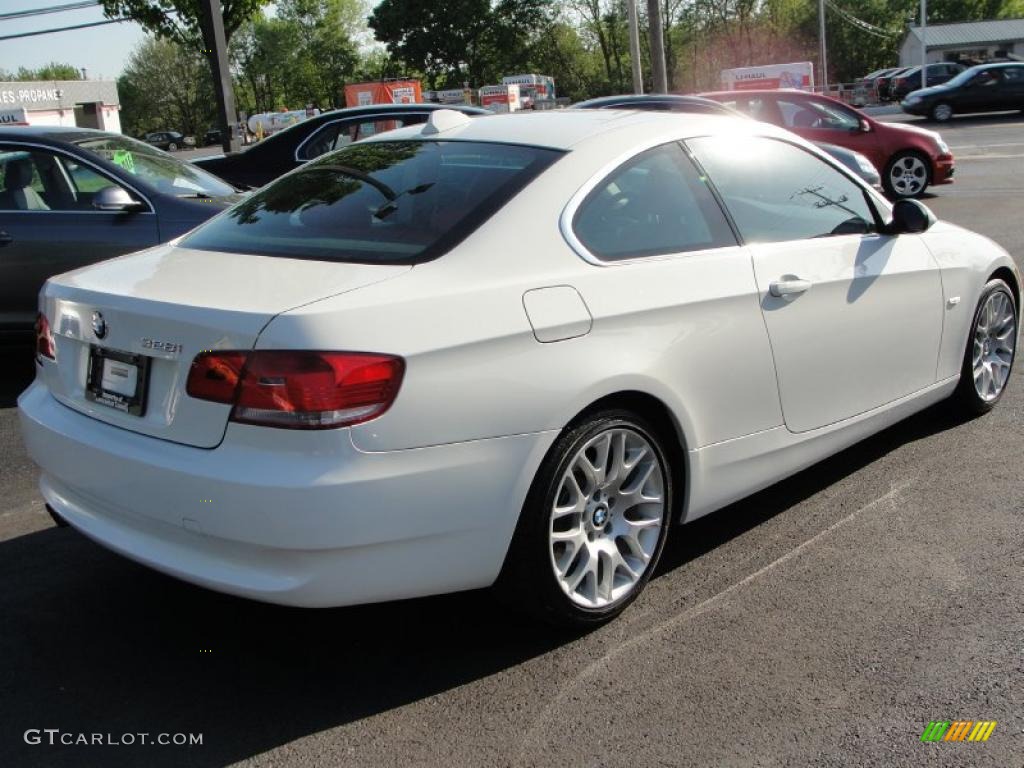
288	149
74	196
668	102
985	88
909	158
883	83
170	141
910	80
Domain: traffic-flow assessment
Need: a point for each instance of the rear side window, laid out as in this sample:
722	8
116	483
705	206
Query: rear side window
396	202
776	191
341	133
656	203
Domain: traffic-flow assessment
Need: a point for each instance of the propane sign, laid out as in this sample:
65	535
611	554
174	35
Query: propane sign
770	76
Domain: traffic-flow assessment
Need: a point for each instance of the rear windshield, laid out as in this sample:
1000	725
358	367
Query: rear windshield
394	202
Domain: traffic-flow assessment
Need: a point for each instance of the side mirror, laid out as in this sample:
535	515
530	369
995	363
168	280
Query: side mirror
910	217
114	199
865	126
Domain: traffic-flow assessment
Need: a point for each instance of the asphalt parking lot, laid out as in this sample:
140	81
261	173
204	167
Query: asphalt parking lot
823	622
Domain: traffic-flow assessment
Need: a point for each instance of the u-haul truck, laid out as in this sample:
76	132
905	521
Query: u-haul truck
799	74
500	98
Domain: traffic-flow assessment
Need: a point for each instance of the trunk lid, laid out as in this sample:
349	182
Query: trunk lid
159	309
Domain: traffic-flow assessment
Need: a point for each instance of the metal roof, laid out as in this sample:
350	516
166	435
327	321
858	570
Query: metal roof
971	32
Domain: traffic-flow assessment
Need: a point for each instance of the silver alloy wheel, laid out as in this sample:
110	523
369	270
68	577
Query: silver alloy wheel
942	112
908	176
607	517
995	338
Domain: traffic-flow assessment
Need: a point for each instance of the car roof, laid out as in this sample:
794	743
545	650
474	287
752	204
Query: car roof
565	129
766	91
645	98
53	133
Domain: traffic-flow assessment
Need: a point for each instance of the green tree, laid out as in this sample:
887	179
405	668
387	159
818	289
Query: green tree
473	41
165	86
52	71
181	20
303	55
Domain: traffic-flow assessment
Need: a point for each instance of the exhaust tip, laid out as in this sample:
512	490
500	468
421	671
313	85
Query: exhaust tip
60	521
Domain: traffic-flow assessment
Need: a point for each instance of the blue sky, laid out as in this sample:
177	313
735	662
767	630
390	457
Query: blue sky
103	51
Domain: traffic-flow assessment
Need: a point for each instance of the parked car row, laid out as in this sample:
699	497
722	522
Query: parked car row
99	195
894	83
576	331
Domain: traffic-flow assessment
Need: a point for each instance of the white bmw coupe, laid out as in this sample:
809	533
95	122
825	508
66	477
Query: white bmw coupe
511	351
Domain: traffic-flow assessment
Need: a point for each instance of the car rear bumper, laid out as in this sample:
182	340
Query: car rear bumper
290	517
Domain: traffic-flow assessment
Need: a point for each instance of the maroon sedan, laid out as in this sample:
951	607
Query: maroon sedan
908	158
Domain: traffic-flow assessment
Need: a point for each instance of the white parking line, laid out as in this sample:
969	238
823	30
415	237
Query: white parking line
986	146
892	499
960	158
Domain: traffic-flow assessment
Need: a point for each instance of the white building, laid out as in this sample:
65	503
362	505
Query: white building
85	103
972	40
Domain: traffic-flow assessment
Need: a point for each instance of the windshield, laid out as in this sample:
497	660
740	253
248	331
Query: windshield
381	202
157	169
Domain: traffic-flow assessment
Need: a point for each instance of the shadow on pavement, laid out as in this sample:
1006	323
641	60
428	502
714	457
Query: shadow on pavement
16	372
92	643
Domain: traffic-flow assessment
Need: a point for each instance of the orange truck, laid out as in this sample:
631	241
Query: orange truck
383	92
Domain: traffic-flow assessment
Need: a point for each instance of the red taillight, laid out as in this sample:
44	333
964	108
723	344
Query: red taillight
298	390
44	339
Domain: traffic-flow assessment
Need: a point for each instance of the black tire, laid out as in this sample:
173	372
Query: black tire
528	581
966	398
899	158
172	147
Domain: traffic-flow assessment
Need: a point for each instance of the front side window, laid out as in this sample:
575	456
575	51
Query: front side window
816	115
777	191
159	170
38	180
381	202
656	203
341	133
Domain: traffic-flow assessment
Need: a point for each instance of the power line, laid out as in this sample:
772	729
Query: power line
50	9
62	29
862	25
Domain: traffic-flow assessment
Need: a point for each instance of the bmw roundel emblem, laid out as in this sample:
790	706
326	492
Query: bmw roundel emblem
99	325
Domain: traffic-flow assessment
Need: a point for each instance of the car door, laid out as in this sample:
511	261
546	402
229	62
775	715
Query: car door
673	278
982	93
48	224
854	316
341	133
1013	86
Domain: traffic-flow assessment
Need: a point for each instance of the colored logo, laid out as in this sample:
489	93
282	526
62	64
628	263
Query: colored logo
958	730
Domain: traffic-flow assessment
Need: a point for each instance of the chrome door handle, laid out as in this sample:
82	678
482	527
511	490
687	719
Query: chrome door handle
791	287
5	239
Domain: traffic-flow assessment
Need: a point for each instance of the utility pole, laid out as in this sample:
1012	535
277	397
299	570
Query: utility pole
657	33
217	55
924	45
824	48
634	47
